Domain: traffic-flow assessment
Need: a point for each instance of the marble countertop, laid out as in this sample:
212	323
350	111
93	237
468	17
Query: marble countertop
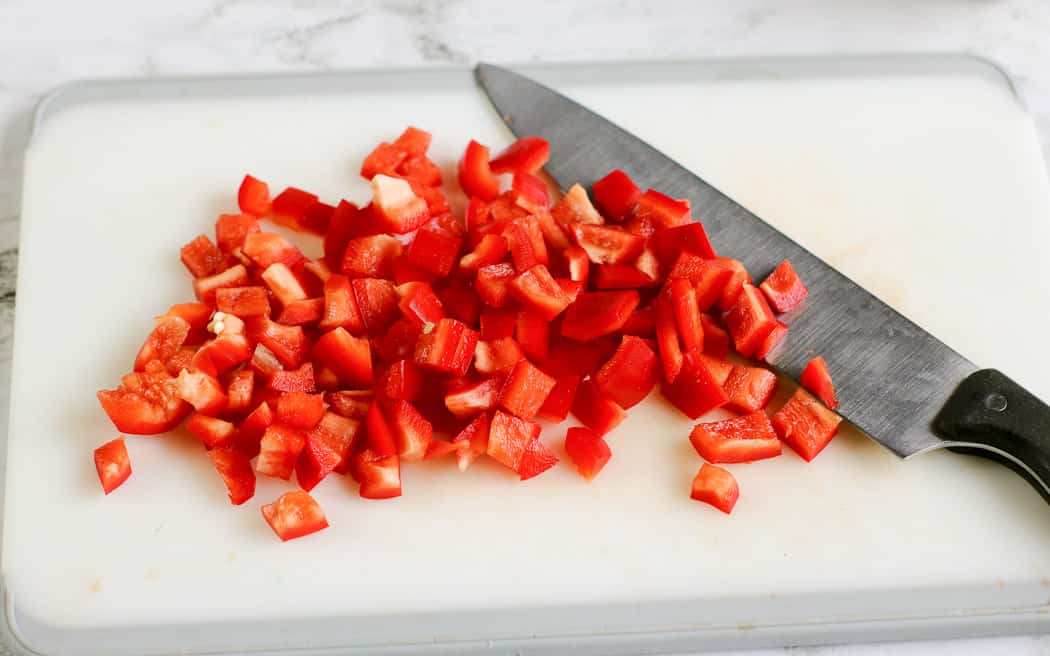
44	43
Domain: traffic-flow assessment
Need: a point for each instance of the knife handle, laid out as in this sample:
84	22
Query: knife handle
990	415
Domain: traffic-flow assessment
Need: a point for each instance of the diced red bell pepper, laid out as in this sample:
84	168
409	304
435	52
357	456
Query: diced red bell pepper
817	379
772	341
379	475
201	257
235	468
630	374
607	245
264	362
505	209
401	380
448	348
420	170
472	441
198	315
434	250
509	438
163	342
340	306
525	390
253	197
300	410
784	288
232	229
288	343
493	283
530	192
715	486
112	464
414	141
532	331
296	380
741	439
437	204
594	314
497	356
279	451
537	289
805	424
396	204
385	159
352	404
720	368
477	213
438	449
239	389
490	250
576	207
266	248
327	449
537	459
469	400
291	205
316	218
526	244
620	276
497	323
577	263
554	234
567	357
251	431
243	302
475	174
377	300
749	388
667	343
750	321
527	154
343	226
404	271
616	195
595	410
412	432
146	402
348	356
370	257
419	303
688	238
212	432
202	391
460	301
716	339
559	401
302	312
662	211
399	341
735	284
588	451
205	288
572	288
294	515
283	283
687	314
380	436
641	323
695	391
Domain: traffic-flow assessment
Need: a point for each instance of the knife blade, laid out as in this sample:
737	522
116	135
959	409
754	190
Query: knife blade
894	379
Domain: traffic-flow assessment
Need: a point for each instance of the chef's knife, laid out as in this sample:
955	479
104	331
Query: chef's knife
902	386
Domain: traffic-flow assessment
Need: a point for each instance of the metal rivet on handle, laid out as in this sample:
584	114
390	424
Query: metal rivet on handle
995	402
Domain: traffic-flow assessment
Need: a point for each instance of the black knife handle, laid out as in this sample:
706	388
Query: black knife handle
997	418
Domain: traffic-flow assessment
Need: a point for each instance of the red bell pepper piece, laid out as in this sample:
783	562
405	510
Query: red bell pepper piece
527	154
559	401
716	339
279	451
576	207
749	388
401	380
537	290
288	343
163	342
377	300
294	515
251	431
688	238
340	306
201	257
212	432
493	283
205	288
302	312
621	276
595	410
235	468
290	206
536	460
475	175
400	340
525	390
253	197
530	192
327	449
297	380
232	229
497	323
343	226
460	301
642	323
284	284
568	357
202	391
720	368
470	400
412	432
740	439
770	343
717	487
630	374
687	314
472	441
750	321
784	288
419	303
352	404
695	391
266	248
735	284
607	245
349	357
112	464
594	314
420	170
239	389
616	195
588	451
413	141
198	315
526	244
438	449
300	410
490	250
533	334
817	379
243	302
370	257
805	424
317	218
396	204
662	211
497	356
577	263
448	348
553	233
434	251
671	356
379	475
509	439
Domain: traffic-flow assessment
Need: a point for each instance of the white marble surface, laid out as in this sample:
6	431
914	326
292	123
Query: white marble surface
45	43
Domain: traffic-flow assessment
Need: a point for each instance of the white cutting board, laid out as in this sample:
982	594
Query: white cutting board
924	184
